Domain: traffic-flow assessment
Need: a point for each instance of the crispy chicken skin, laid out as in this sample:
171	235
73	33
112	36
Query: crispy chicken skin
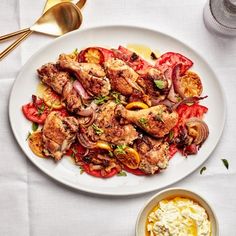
71	98
112	130
60	82
147	83
157	120
58	134
154	154
91	76
122	77
50	75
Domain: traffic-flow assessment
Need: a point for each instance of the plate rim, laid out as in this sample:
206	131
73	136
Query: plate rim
140	28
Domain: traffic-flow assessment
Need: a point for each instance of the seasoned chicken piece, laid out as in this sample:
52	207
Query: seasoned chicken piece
60	82
50	75
154	154
122	77
91	76
157	120
107	128
71	98
155	85
58	134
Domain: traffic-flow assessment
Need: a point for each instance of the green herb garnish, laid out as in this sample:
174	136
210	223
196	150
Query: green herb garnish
171	135
97	130
143	121
159	118
226	163
203	169
28	135
122	173
120	149
72	155
41	109
116	96
34	126
76	51
110	153
101	99
159	83
81	170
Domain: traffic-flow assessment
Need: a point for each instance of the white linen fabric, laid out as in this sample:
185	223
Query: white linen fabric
31	203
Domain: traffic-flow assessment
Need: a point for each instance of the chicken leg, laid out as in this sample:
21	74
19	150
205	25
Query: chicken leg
157	120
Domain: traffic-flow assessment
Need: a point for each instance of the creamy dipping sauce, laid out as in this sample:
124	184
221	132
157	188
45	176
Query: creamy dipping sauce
178	217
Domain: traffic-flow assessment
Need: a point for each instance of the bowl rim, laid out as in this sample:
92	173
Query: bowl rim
188	191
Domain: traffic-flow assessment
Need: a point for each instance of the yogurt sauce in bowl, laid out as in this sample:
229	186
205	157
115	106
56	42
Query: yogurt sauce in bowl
178	216
177	212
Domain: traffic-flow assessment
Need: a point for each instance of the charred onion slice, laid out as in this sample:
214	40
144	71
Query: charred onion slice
136	105
129	157
188	85
197	129
35	142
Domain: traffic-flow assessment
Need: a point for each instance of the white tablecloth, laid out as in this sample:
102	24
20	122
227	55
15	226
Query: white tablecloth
33	204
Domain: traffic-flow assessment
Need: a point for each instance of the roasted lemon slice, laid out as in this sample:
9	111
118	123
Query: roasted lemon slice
103	145
128	156
35	141
190	85
136	105
51	99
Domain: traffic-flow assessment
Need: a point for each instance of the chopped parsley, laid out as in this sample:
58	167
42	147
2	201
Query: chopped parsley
203	169
122	173
76	51
110	153
120	149
101	99
97	130
81	170
143	121
159	118
28	135
226	163
34	126
159	83
41	109
171	135
116	96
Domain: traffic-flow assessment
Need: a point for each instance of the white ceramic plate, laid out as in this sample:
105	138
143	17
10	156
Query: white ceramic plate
69	174
169	194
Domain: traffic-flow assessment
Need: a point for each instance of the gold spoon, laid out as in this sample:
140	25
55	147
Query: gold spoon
50	3
58	20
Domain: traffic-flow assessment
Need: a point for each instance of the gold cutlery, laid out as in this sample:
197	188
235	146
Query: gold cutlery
57	20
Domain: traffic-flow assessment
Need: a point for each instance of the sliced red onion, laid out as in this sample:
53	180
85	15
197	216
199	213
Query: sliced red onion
80	90
172	96
85	141
133	84
174	73
199	128
187	100
90	120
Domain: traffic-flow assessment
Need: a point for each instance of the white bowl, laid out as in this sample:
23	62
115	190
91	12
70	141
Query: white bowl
169	193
